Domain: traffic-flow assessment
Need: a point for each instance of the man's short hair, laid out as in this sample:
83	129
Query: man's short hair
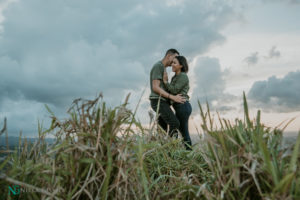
172	51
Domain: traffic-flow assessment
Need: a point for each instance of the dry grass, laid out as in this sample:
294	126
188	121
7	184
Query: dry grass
90	159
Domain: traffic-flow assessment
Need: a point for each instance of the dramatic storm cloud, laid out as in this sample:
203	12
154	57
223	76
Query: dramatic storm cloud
210	84
274	53
55	51
252	59
278	94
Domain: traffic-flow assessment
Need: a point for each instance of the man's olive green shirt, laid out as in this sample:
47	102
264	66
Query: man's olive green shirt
179	85
157	73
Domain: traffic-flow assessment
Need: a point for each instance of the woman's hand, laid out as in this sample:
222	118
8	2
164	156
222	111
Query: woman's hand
165	78
178	98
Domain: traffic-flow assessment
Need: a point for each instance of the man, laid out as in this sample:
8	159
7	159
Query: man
160	96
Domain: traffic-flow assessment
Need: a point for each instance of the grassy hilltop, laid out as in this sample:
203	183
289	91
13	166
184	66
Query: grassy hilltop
98	154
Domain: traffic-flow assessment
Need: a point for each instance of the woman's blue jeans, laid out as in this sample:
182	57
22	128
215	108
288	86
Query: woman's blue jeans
183	112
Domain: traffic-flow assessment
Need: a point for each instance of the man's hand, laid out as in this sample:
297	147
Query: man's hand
178	98
165	78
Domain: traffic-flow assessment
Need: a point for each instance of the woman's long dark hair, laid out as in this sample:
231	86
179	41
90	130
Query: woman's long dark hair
182	61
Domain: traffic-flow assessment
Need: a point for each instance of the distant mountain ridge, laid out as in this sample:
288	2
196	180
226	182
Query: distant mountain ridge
14	140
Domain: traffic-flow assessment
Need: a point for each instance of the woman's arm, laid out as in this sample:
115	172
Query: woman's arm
175	88
178	98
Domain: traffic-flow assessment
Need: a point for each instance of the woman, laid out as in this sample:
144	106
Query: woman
180	85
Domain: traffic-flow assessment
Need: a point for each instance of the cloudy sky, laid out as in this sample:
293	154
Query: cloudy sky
52	52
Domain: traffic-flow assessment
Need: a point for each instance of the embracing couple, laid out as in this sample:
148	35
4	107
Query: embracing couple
164	94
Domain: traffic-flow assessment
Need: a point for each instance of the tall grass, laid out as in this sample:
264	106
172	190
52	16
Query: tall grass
98	154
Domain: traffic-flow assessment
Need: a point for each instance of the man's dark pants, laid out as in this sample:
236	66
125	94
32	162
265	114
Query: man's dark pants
166	116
